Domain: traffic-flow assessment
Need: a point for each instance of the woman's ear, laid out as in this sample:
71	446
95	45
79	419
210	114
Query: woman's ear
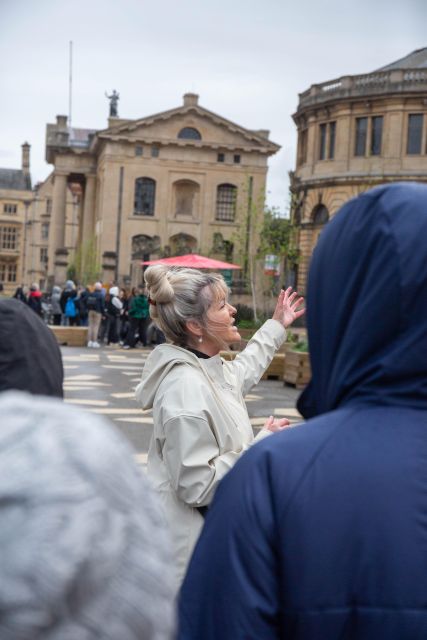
193	328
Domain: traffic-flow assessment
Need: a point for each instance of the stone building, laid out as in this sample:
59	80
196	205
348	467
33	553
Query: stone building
15	204
354	133
175	182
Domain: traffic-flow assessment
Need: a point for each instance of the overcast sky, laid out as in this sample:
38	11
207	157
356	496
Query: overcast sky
247	59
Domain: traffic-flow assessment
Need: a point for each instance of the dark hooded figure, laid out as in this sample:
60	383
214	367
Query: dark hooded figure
30	359
320	532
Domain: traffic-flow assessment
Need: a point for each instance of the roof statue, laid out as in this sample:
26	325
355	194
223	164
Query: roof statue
114	101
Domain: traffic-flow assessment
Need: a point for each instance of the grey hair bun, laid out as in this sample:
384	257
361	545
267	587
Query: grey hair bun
159	288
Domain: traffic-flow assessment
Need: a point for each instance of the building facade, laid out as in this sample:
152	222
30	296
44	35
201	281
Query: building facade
176	182
354	133
16	198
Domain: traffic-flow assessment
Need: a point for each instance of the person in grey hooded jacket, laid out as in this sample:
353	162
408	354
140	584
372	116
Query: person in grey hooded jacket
84	550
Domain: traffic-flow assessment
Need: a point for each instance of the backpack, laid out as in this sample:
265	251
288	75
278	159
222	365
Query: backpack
70	308
91	302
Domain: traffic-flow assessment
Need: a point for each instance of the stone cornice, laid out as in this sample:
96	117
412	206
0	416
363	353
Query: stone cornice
356	179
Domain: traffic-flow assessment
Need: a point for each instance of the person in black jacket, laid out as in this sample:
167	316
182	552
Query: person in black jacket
320	532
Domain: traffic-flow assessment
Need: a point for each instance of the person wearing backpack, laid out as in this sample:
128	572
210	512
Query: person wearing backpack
95	307
71	311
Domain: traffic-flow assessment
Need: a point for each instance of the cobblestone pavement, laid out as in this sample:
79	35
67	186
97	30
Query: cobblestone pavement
103	381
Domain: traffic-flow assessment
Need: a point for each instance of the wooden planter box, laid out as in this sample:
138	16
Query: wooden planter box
70	336
297	369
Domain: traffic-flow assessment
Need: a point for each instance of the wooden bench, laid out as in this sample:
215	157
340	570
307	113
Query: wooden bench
70	336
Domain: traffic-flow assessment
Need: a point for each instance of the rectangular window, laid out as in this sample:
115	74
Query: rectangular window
415	133
155	152
236	159
332	129
9	208
360	140
8	238
48	206
8	271
43	256
322	143
221	157
139	151
45	231
376	135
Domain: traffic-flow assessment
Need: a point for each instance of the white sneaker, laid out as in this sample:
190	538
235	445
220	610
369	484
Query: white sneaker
90	344
95	345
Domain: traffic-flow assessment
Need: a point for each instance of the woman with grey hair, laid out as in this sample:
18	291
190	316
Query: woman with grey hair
201	424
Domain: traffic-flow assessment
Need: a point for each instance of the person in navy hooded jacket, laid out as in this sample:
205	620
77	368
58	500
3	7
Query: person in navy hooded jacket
320	532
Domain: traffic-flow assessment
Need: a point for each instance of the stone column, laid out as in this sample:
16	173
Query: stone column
57	232
88	221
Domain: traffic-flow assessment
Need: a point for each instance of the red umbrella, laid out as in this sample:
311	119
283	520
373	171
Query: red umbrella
195	261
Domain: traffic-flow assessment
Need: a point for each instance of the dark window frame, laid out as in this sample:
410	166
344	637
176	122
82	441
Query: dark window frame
226	201
414	139
361	136
376	135
189	133
144	196
322	140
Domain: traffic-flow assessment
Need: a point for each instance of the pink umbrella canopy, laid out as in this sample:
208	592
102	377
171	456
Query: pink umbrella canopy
195	261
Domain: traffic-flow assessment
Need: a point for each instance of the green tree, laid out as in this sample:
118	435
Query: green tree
85	267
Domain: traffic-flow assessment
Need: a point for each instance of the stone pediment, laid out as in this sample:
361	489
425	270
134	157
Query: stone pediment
215	131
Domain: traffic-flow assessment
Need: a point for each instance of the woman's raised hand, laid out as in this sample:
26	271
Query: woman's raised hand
286	310
276	424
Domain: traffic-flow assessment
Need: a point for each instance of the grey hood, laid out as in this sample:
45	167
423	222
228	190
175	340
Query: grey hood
84	552
157	366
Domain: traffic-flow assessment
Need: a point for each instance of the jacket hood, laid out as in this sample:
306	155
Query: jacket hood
56	289
35	294
114	291
30	359
157	366
367	303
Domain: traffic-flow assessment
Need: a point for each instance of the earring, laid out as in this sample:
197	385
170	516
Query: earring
200	339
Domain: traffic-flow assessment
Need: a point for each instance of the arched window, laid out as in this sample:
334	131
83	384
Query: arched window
145	196
320	215
189	133
226	196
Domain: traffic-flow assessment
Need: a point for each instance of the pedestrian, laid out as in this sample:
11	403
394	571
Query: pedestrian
124	317
81	304
30	359
34	300
139	318
201	424
320	532
95	306
56	308
84	550
20	294
113	310
70	315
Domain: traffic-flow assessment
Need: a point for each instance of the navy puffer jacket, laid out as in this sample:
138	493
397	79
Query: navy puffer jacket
320	532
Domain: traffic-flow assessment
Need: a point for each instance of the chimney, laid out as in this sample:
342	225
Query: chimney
61	121
191	99
26	158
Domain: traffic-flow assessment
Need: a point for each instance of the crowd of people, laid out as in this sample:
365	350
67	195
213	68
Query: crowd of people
112	315
315	532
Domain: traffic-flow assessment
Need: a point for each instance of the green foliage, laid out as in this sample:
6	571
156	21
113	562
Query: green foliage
278	236
85	268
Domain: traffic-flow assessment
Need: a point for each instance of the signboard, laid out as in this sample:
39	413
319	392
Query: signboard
272	265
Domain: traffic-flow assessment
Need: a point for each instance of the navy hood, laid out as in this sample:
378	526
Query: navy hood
367	303
30	359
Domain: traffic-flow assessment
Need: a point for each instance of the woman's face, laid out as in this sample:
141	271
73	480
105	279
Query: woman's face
220	322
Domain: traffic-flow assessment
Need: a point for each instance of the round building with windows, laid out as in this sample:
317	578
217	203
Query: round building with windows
354	133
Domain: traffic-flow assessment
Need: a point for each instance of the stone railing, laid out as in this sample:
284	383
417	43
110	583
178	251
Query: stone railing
380	82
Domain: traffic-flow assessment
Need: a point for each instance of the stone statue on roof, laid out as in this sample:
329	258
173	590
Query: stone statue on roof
114	101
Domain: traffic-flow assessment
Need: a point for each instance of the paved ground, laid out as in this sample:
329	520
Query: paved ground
103	381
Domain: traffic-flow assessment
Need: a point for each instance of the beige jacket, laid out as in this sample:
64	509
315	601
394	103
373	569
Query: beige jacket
201	426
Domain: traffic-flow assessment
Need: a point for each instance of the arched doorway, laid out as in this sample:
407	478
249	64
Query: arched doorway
143	248
182	243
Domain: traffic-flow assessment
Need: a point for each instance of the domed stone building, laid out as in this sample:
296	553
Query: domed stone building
354	133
